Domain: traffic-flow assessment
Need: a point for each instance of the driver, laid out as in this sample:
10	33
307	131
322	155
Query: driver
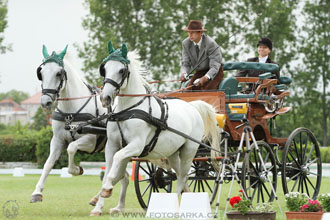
201	54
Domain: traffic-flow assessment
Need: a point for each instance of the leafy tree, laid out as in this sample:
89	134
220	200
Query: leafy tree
273	19
3	24
313	76
154	28
39	119
17	96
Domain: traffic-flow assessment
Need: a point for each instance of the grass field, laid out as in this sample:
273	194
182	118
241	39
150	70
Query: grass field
67	198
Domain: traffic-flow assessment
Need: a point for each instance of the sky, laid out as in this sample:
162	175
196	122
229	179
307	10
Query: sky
32	23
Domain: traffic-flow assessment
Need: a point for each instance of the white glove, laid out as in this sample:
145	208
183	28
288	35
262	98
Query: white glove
196	82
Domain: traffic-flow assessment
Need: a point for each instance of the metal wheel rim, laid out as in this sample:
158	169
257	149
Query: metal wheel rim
297	161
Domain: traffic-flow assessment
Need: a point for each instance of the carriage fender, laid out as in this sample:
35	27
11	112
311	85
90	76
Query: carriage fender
221	119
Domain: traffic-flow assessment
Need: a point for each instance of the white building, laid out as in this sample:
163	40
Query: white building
32	105
11	112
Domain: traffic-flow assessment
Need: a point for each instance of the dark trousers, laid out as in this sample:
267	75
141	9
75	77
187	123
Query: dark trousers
211	84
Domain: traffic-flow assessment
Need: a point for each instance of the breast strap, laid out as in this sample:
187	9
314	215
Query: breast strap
59	115
159	123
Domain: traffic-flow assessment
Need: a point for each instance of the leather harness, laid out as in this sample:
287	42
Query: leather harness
68	118
130	113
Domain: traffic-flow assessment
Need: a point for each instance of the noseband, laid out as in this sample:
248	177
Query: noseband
55	92
125	75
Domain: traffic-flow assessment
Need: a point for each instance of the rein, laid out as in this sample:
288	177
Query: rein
75	98
164	81
130	95
137	95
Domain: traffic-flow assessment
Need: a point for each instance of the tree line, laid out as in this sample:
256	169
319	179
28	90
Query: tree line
299	31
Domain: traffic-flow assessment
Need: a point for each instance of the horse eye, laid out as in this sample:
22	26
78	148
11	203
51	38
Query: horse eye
122	71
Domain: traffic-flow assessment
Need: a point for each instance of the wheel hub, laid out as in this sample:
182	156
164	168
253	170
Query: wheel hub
263	177
160	180
292	170
305	170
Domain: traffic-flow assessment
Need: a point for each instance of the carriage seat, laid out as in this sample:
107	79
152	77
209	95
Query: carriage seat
269	67
283	83
230	87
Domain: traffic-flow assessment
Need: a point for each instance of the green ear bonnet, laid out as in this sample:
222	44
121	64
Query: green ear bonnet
54	57
117	55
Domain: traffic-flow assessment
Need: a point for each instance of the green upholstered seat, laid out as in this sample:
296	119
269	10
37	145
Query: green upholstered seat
246	96
265	76
270	67
229	85
281	87
285	80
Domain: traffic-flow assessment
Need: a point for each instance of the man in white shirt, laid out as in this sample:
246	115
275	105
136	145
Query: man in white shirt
265	47
201	54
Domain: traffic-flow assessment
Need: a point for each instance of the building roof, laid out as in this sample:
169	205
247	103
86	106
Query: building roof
35	99
9	101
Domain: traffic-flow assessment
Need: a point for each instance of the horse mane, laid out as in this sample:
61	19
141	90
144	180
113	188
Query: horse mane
136	68
72	68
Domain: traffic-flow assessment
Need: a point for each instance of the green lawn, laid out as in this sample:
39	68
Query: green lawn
67	198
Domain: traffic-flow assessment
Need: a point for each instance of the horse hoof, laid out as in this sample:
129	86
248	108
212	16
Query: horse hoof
115	211
106	193
93	201
36	198
95	214
81	170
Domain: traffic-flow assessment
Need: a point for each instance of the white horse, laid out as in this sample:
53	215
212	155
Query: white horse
60	79
128	129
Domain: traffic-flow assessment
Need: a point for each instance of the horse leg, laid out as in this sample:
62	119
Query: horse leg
97	200
56	147
174	161
187	153
118	169
121	203
85	143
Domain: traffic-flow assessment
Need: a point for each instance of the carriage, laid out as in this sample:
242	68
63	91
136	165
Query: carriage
242	104
257	102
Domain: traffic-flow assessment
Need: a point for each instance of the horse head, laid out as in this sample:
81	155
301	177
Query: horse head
114	69
52	74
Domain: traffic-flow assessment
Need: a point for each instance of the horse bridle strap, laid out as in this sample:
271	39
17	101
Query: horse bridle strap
114	83
126	74
55	91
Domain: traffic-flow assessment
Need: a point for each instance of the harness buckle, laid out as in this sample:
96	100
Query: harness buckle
73	127
68	119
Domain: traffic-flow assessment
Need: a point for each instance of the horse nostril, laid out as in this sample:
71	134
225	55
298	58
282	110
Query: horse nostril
108	100
49	105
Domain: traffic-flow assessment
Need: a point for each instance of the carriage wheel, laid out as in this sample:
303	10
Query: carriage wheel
255	182
202	178
300	154
156	180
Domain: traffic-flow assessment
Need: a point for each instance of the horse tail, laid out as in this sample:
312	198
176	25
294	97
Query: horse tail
211	129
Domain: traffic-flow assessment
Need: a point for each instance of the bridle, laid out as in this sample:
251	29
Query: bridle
54	92
124	72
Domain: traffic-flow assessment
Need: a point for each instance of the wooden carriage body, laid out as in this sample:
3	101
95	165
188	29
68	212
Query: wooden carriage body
229	97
